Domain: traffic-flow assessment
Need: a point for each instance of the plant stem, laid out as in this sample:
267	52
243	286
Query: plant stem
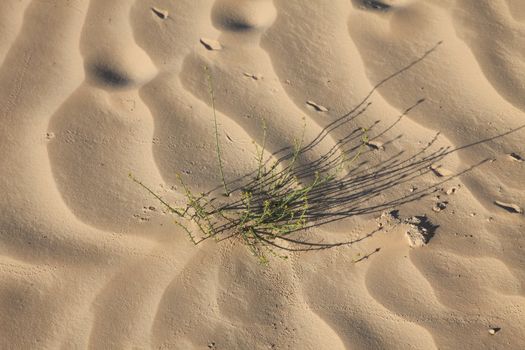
217	143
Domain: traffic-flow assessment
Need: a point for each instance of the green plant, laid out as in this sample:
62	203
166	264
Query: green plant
216	129
266	208
286	194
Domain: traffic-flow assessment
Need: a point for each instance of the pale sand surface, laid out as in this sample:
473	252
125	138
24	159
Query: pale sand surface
91	91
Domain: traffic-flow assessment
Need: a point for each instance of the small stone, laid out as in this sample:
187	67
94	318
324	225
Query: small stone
494	330
439	206
210	44
416	238
440	171
418	231
162	14
375	145
451	191
510	207
318	107
257	76
515	157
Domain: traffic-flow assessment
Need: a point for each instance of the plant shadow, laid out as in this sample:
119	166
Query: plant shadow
268	207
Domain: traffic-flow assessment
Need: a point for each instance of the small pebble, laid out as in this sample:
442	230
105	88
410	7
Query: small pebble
318	107
162	14
210	44
510	207
440	171
494	330
451	191
375	145
515	157
254	76
439	206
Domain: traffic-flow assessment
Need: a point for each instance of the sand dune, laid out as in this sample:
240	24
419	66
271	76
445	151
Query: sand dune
93	90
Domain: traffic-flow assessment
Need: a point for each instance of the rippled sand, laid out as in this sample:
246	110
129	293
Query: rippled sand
91	91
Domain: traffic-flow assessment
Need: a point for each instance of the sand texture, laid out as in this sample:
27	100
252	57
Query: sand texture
431	213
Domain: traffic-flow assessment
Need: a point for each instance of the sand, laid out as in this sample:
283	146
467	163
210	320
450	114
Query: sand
93	90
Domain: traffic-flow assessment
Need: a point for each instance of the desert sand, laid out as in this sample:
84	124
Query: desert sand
93	90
